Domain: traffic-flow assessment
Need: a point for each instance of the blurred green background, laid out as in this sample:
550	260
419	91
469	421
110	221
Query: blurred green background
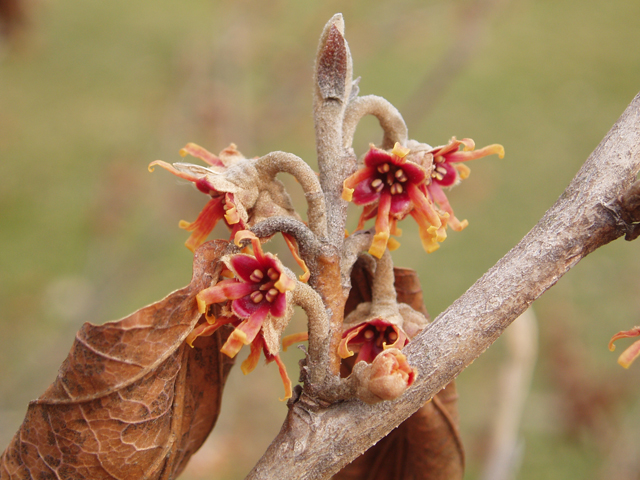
94	91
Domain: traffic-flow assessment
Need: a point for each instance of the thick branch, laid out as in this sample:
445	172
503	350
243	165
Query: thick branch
315	442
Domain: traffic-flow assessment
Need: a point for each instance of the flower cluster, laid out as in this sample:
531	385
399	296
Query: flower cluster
212	181
410	181
255	302
240	195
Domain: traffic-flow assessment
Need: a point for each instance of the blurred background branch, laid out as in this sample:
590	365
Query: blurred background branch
514	381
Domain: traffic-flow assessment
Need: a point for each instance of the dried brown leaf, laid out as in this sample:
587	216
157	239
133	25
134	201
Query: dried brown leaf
427	445
132	400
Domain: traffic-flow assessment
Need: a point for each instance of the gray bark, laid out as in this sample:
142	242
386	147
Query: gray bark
317	440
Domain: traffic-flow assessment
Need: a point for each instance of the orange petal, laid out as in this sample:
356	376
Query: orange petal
231	211
254	356
379	244
465	155
394	228
430	235
343	348
201	153
294	338
293	246
234	343
285	283
255	243
172	169
286	381
349	185
463	170
631	353
207	329
380	239
401	339
244	235
195	333
634	332
204	224
400	151
423	204
468	143
393	244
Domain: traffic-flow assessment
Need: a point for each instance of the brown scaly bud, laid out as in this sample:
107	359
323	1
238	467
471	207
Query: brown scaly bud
387	377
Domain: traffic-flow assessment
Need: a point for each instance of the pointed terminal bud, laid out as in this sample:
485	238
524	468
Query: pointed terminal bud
332	64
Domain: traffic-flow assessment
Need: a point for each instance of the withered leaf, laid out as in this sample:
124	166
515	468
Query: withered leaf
427	445
132	400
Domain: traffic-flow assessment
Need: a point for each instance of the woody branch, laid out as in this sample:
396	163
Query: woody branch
317	441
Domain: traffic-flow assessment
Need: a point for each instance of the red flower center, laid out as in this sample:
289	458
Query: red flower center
390	178
266	289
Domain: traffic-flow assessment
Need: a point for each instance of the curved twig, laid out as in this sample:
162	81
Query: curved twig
391	121
275	162
319	334
307	241
354	245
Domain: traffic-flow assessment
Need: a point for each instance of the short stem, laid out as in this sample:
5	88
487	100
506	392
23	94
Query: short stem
354	246
319	333
383	291
327	284
275	162
392	123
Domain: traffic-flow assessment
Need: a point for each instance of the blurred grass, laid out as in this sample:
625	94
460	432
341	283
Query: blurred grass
99	89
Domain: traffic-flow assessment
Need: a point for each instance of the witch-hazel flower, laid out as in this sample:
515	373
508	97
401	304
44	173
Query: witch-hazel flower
239	193
258	292
409	181
258	304
374	335
227	200
448	172
390	187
